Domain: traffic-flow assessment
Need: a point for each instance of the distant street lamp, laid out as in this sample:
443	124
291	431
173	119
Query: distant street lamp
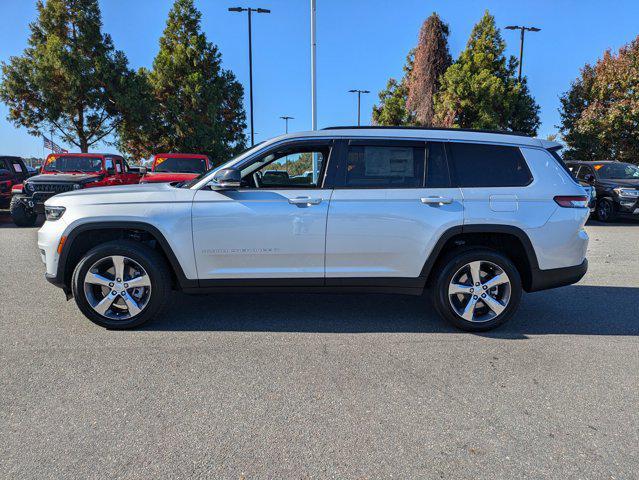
286	119
359	96
521	44
250	10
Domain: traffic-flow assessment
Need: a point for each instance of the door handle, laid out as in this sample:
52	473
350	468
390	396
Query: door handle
436	200
305	201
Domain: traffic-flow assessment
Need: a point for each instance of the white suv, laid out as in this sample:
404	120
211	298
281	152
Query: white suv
474	217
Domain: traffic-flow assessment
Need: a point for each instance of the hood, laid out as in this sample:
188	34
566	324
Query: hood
64	178
168	177
137	194
619	182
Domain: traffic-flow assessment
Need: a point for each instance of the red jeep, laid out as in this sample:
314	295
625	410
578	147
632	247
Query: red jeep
176	167
13	171
64	172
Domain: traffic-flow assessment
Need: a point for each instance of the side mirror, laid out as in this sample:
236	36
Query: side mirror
226	179
589	178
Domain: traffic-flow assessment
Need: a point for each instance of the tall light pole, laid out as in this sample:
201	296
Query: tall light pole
314	85
521	44
359	100
286	119
250	10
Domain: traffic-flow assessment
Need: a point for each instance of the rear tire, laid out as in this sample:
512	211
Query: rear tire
605	210
487	289
22	216
138	261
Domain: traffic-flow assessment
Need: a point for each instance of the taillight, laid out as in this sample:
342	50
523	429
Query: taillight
571	201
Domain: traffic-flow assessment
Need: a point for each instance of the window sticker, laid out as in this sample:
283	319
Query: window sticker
17	167
597	167
159	160
385	162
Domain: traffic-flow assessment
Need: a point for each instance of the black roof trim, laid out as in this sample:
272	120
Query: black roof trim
380	127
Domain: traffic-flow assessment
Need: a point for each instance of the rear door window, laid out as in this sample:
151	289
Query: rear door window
390	165
484	165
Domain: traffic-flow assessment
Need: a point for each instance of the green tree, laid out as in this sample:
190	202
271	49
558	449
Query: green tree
480	90
432	59
392	110
194	104
70	78
600	112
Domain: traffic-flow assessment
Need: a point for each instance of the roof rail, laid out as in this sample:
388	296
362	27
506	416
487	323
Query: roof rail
382	127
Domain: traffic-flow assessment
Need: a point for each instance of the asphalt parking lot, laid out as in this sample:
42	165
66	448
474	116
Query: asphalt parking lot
317	386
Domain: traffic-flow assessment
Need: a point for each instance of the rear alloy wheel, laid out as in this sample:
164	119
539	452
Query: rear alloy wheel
605	210
121	284
478	290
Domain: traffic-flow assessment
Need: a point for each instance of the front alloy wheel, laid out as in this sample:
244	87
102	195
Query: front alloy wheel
117	287
605	210
121	284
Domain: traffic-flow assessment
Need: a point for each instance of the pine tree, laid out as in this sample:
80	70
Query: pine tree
195	105
480	90
70	78
432	59
392	109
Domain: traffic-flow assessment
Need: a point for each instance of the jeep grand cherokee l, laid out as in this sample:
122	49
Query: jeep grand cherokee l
473	217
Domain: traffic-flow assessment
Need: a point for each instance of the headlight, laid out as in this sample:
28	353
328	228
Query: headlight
627	192
53	213
29	187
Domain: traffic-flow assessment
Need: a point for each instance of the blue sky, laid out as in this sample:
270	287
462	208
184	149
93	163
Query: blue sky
361	43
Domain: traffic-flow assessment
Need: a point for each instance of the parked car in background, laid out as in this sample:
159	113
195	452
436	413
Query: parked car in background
616	185
13	171
175	167
65	172
473	217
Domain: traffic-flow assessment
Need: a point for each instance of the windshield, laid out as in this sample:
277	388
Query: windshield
617	171
73	164
179	165
230	163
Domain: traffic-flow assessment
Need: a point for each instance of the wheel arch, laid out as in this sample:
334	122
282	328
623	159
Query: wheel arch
87	235
507	239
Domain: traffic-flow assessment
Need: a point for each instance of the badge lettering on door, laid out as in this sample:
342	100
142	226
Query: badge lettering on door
238	251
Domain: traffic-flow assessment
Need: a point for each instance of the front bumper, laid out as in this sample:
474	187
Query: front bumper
49	237
627	206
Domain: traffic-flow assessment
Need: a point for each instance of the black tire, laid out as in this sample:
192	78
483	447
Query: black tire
21	214
451	265
605	210
155	266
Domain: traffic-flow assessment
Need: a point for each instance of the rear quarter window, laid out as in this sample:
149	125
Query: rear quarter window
482	165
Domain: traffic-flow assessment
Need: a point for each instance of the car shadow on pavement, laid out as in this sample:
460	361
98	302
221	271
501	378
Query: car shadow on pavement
573	310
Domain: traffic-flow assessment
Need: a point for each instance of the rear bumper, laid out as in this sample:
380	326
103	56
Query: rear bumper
557	277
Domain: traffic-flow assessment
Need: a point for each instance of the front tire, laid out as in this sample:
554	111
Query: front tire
21	214
121	284
605	210
477	289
